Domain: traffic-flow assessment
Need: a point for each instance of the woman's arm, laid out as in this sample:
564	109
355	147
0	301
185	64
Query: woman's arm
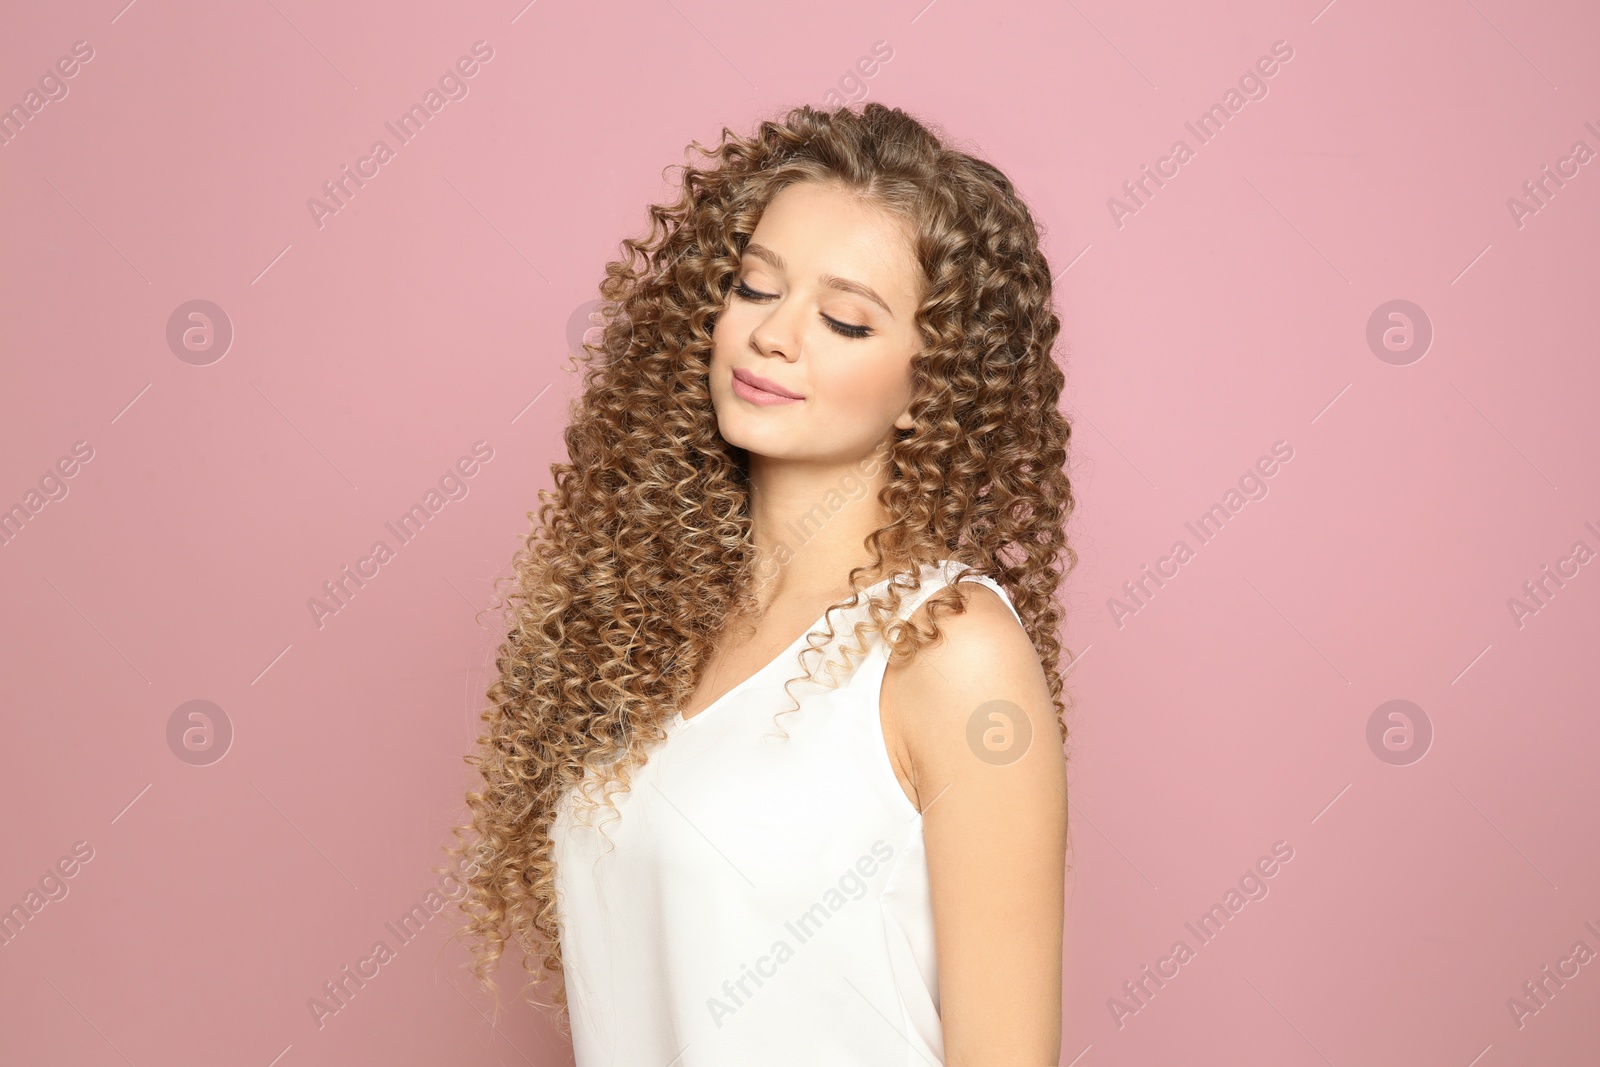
994	815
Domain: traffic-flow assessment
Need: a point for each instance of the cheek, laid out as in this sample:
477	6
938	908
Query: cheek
731	333
875	388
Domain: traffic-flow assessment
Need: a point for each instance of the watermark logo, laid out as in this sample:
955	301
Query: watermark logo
199	332
584	325
199	732
1399	732
999	732
1399	332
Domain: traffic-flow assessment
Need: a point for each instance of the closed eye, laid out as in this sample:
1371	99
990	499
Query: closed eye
842	328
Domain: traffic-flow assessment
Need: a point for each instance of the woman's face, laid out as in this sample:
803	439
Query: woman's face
823	307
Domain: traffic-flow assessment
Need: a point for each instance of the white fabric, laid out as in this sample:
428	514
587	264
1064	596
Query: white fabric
759	900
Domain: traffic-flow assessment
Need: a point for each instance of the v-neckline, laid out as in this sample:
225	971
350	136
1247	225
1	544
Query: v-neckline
677	717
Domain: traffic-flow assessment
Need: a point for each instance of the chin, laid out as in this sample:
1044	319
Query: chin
740	434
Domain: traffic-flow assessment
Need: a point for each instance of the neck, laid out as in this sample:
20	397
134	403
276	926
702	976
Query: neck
810	522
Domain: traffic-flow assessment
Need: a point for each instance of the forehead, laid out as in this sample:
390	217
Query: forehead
821	229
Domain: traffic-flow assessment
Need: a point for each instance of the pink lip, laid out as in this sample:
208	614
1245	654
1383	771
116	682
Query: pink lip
759	390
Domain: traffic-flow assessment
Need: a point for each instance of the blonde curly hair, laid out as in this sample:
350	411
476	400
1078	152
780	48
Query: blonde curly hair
643	552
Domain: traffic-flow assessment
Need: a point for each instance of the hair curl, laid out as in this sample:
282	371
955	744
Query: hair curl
643	552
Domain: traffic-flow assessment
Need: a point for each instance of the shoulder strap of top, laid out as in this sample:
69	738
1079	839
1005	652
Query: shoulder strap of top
938	576
984	579
934	577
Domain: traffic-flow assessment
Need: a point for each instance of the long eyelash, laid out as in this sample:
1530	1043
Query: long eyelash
843	328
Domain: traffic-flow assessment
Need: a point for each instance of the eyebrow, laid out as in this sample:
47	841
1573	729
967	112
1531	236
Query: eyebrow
832	281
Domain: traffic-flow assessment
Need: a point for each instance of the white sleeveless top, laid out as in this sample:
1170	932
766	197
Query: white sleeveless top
759	900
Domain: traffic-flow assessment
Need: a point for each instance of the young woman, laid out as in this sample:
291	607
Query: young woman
821	425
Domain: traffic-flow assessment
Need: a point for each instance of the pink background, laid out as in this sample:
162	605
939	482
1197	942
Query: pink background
1228	313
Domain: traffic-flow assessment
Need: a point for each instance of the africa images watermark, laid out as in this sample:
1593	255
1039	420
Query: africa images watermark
1538	591
1550	981
53	88
849	886
1538	192
452	485
1252	86
852	84
1252	886
452	86
850	488
1252	486
338	992
52	887
53	488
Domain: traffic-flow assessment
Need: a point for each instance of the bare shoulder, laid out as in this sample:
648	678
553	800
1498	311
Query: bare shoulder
982	754
979	695
984	636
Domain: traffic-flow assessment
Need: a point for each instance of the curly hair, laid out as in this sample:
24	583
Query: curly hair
643	551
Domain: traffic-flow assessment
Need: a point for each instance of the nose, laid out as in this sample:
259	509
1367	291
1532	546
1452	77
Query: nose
778	332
